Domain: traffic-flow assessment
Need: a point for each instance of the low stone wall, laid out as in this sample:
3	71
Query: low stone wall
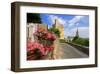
57	50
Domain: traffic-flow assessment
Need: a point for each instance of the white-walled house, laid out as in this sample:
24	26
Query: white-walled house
32	28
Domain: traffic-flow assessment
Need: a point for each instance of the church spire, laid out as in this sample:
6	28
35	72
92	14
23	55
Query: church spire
77	33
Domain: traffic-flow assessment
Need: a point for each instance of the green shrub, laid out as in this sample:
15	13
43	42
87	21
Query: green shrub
82	41
55	31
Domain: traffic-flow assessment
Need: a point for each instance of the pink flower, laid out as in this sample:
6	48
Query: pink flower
50	36
35	45
49	48
29	45
53	37
46	36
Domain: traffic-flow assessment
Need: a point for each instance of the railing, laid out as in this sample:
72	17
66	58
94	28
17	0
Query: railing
84	49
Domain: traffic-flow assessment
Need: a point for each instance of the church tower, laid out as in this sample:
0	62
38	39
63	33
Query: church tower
77	33
60	27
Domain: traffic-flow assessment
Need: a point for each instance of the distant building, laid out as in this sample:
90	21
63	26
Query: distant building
60	27
77	33
70	38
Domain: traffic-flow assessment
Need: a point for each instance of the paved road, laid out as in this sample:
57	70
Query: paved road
67	51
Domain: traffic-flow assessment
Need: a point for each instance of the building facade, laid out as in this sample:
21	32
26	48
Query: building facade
60	27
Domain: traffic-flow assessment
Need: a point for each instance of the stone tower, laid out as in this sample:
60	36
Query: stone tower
59	26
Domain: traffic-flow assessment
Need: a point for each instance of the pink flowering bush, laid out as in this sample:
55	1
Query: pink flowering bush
34	46
50	36
39	49
49	48
35	50
44	34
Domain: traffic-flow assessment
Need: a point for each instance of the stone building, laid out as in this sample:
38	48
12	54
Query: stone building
59	26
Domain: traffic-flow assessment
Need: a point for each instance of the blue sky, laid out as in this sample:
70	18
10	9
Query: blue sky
70	23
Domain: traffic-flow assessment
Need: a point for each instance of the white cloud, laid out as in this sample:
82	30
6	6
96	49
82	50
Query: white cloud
83	32
75	20
53	17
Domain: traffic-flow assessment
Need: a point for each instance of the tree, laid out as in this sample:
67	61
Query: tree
81	41
75	38
33	18
55	31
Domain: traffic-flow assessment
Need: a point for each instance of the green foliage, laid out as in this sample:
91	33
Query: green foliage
55	31
75	38
81	41
33	18
62	40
